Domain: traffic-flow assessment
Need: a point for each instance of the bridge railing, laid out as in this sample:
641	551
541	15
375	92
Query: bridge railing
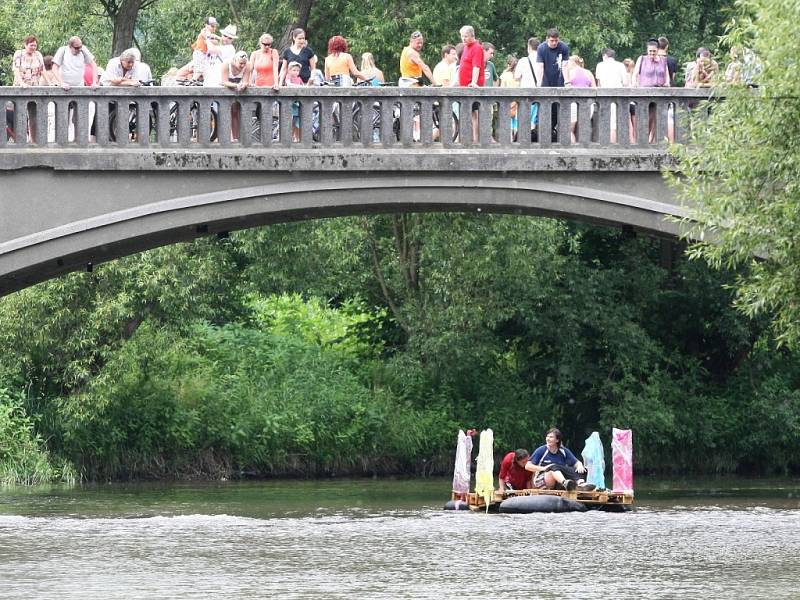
374	118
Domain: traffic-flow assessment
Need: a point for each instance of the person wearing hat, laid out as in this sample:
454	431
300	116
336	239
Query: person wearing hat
200	47
218	54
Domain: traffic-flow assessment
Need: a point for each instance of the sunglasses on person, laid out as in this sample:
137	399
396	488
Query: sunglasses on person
267	44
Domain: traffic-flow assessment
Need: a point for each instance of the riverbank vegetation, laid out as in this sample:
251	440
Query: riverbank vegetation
360	345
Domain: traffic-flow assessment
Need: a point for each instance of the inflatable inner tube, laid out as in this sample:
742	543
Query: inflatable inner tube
456	505
539	504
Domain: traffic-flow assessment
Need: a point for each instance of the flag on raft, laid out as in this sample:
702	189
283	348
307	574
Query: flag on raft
594	460
461	472
484	477
622	459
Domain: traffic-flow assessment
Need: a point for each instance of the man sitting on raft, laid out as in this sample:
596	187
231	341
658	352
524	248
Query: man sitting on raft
513	472
554	465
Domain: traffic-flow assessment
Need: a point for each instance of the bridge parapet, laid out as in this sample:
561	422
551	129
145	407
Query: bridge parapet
344	128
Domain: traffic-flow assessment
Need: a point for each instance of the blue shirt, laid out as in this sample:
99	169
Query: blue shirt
552	59
543	457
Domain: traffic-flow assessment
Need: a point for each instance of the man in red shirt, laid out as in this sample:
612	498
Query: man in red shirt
471	70
512	471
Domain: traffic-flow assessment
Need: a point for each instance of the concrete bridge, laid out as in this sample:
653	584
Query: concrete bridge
91	175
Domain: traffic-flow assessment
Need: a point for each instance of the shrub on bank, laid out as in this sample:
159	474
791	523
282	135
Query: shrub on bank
23	456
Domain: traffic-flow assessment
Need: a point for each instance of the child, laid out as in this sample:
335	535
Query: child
200	47
293	80
317	78
293	75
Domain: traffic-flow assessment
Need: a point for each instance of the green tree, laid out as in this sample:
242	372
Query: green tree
743	188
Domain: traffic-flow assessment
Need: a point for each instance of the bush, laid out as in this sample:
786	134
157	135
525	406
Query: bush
23	458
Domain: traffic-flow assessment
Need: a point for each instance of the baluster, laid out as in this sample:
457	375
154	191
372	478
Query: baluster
485	117
624	122
21	122
564	121
121	125
603	121
187	121
142	107
224	124
285	121
504	123
307	109
62	114
163	118
426	121
365	128
266	122
5	135
642	121
82	121
101	117
465	122
328	126
204	126
406	122
524	108
41	120
545	115
387	121
446	122
248	120
662	121
348	106
584	133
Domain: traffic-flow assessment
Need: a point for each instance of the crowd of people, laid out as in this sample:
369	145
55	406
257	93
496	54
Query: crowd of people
469	63
217	63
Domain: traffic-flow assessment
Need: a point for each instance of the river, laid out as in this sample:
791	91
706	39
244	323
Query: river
391	539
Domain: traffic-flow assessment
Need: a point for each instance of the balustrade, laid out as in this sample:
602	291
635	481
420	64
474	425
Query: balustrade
366	118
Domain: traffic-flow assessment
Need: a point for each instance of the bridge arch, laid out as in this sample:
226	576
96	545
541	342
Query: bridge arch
135	226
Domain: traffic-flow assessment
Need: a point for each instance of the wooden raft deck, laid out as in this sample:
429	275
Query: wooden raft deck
593	499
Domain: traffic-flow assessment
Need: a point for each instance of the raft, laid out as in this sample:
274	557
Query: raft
544	500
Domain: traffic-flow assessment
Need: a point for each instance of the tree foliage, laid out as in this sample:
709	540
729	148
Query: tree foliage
743	187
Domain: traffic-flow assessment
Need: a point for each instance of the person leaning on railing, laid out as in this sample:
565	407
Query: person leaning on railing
236	76
121	71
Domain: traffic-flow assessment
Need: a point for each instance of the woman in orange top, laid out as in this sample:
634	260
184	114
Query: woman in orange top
339	63
264	62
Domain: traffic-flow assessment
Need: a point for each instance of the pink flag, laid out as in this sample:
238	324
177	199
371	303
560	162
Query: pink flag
622	457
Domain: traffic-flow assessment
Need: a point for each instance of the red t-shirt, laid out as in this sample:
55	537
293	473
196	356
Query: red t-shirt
473	56
511	472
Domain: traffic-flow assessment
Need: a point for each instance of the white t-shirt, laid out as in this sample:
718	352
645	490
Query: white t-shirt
212	75
523	72
610	74
71	65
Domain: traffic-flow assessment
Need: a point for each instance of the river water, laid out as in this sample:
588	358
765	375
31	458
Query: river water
391	539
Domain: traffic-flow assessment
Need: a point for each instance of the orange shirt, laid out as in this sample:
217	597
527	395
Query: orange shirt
337	65
408	68
264	68
200	43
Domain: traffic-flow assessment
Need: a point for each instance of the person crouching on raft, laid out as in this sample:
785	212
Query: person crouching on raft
555	465
513	474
